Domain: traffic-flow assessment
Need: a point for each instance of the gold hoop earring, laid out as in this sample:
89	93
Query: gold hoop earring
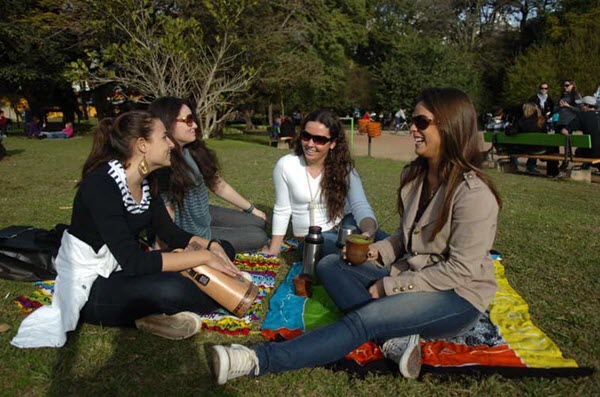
143	167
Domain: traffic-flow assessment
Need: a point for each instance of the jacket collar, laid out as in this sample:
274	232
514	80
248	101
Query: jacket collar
411	196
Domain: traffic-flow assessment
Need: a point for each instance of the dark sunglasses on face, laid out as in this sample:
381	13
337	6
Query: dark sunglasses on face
317	139
566	85
422	122
189	120
543	88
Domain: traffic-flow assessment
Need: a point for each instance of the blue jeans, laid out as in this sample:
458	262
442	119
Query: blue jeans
429	314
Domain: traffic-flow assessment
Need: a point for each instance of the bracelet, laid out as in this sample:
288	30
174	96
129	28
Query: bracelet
249	209
210	243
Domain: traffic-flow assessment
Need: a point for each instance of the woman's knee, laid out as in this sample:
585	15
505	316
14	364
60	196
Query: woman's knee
330	264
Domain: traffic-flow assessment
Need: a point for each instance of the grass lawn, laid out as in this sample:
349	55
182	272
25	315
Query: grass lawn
548	235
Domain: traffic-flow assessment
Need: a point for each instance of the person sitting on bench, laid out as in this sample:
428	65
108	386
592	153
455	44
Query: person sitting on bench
588	122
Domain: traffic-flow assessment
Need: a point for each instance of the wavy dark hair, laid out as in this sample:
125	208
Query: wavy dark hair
113	139
179	176
574	91
335	183
456	120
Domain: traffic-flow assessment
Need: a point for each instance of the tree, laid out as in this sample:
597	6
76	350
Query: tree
35	44
160	54
566	54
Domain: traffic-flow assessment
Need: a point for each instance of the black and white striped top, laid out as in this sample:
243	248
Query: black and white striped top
117	172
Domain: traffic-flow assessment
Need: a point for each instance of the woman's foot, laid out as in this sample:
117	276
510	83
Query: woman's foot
232	362
178	326
406	352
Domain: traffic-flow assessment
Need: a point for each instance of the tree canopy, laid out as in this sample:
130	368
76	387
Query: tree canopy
295	55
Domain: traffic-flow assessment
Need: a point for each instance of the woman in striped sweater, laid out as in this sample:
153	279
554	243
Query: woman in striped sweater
194	171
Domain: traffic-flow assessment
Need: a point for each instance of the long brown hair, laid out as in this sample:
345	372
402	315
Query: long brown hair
335	183
180	175
574	94
113	140
456	120
531	109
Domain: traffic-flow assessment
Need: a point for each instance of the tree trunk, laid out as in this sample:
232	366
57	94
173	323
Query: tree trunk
282	108
248	118
270	113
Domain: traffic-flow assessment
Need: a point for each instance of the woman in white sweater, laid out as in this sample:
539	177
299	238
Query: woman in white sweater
317	185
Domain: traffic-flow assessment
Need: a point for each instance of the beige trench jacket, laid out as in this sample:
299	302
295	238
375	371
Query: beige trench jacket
458	258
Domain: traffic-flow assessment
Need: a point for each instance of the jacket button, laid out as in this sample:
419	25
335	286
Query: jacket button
417	231
402	289
410	286
396	290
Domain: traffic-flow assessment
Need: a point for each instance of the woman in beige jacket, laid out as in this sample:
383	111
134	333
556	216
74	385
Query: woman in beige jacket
432	277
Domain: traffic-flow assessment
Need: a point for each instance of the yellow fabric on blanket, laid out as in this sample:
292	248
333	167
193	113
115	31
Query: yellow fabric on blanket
510	313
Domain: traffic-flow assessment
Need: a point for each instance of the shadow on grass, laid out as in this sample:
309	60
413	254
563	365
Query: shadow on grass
14	152
140	364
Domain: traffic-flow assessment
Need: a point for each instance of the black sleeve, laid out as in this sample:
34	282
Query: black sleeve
575	124
165	228
101	195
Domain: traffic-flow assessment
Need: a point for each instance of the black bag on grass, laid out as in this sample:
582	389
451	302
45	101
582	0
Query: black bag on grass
28	253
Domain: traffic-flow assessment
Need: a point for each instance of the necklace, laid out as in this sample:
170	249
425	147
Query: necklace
313	199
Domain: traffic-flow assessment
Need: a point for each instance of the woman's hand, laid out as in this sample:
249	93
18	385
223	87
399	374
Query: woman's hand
267	250
259	213
376	290
216	249
372	254
216	262
564	104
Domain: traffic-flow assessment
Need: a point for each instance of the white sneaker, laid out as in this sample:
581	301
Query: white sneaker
181	325
232	362
406	352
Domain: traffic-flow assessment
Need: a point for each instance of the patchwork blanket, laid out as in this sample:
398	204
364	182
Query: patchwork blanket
504	339
262	268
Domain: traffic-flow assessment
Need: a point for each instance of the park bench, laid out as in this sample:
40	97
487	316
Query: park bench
284	142
568	143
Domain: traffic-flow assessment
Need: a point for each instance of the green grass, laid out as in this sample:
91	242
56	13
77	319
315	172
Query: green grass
548	235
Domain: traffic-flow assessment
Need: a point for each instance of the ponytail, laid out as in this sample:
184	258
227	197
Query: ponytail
101	147
113	139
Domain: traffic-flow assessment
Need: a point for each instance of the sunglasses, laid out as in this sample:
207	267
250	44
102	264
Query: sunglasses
567	85
422	122
189	120
543	88
317	139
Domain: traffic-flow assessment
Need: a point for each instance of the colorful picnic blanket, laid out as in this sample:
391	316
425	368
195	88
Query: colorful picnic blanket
504	337
262	268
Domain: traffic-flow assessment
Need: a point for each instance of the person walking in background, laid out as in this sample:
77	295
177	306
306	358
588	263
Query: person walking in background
194	171
543	101
400	118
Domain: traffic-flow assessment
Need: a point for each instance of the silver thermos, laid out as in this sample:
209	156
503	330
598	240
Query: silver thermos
313	250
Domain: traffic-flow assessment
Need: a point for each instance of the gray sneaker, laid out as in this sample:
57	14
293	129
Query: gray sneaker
232	362
181	325
406	352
